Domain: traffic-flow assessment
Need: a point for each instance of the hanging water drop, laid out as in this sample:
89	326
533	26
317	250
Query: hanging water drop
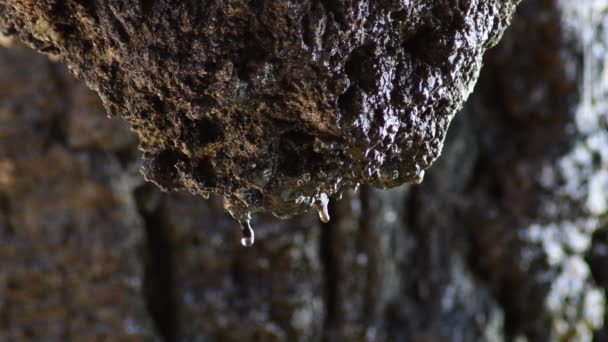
418	178
205	194
247	232
320	204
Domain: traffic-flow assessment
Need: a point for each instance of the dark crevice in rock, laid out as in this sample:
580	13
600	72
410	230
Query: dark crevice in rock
347	104
147	6
66	294
296	155
496	269
6	228
201	132
55	128
159	282
336	236
205	174
360	68
597	258
368	240
6	232
331	265
308	31
412	205
335	9
161	168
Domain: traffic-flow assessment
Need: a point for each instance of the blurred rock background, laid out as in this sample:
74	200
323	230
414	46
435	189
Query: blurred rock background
505	239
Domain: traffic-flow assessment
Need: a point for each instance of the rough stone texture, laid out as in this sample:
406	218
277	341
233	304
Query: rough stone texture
273	103
541	194
69	231
505	240
494	244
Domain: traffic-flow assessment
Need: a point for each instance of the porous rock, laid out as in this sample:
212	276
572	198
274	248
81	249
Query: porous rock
273	104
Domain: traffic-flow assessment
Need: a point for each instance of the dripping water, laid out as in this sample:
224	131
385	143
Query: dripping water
248	236
418	178
321	205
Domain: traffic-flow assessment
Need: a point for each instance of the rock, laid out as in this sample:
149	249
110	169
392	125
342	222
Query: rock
273	104
538	193
69	229
504	240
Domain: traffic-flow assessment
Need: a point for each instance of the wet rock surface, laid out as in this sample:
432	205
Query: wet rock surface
506	238
273	104
69	231
540	197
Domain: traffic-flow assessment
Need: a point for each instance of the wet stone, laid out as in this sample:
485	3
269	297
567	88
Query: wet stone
235	98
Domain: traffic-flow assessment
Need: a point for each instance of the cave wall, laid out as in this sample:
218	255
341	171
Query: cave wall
505	239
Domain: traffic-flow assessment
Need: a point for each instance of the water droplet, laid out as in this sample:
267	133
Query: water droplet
320	204
418	178
205	195
248	234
